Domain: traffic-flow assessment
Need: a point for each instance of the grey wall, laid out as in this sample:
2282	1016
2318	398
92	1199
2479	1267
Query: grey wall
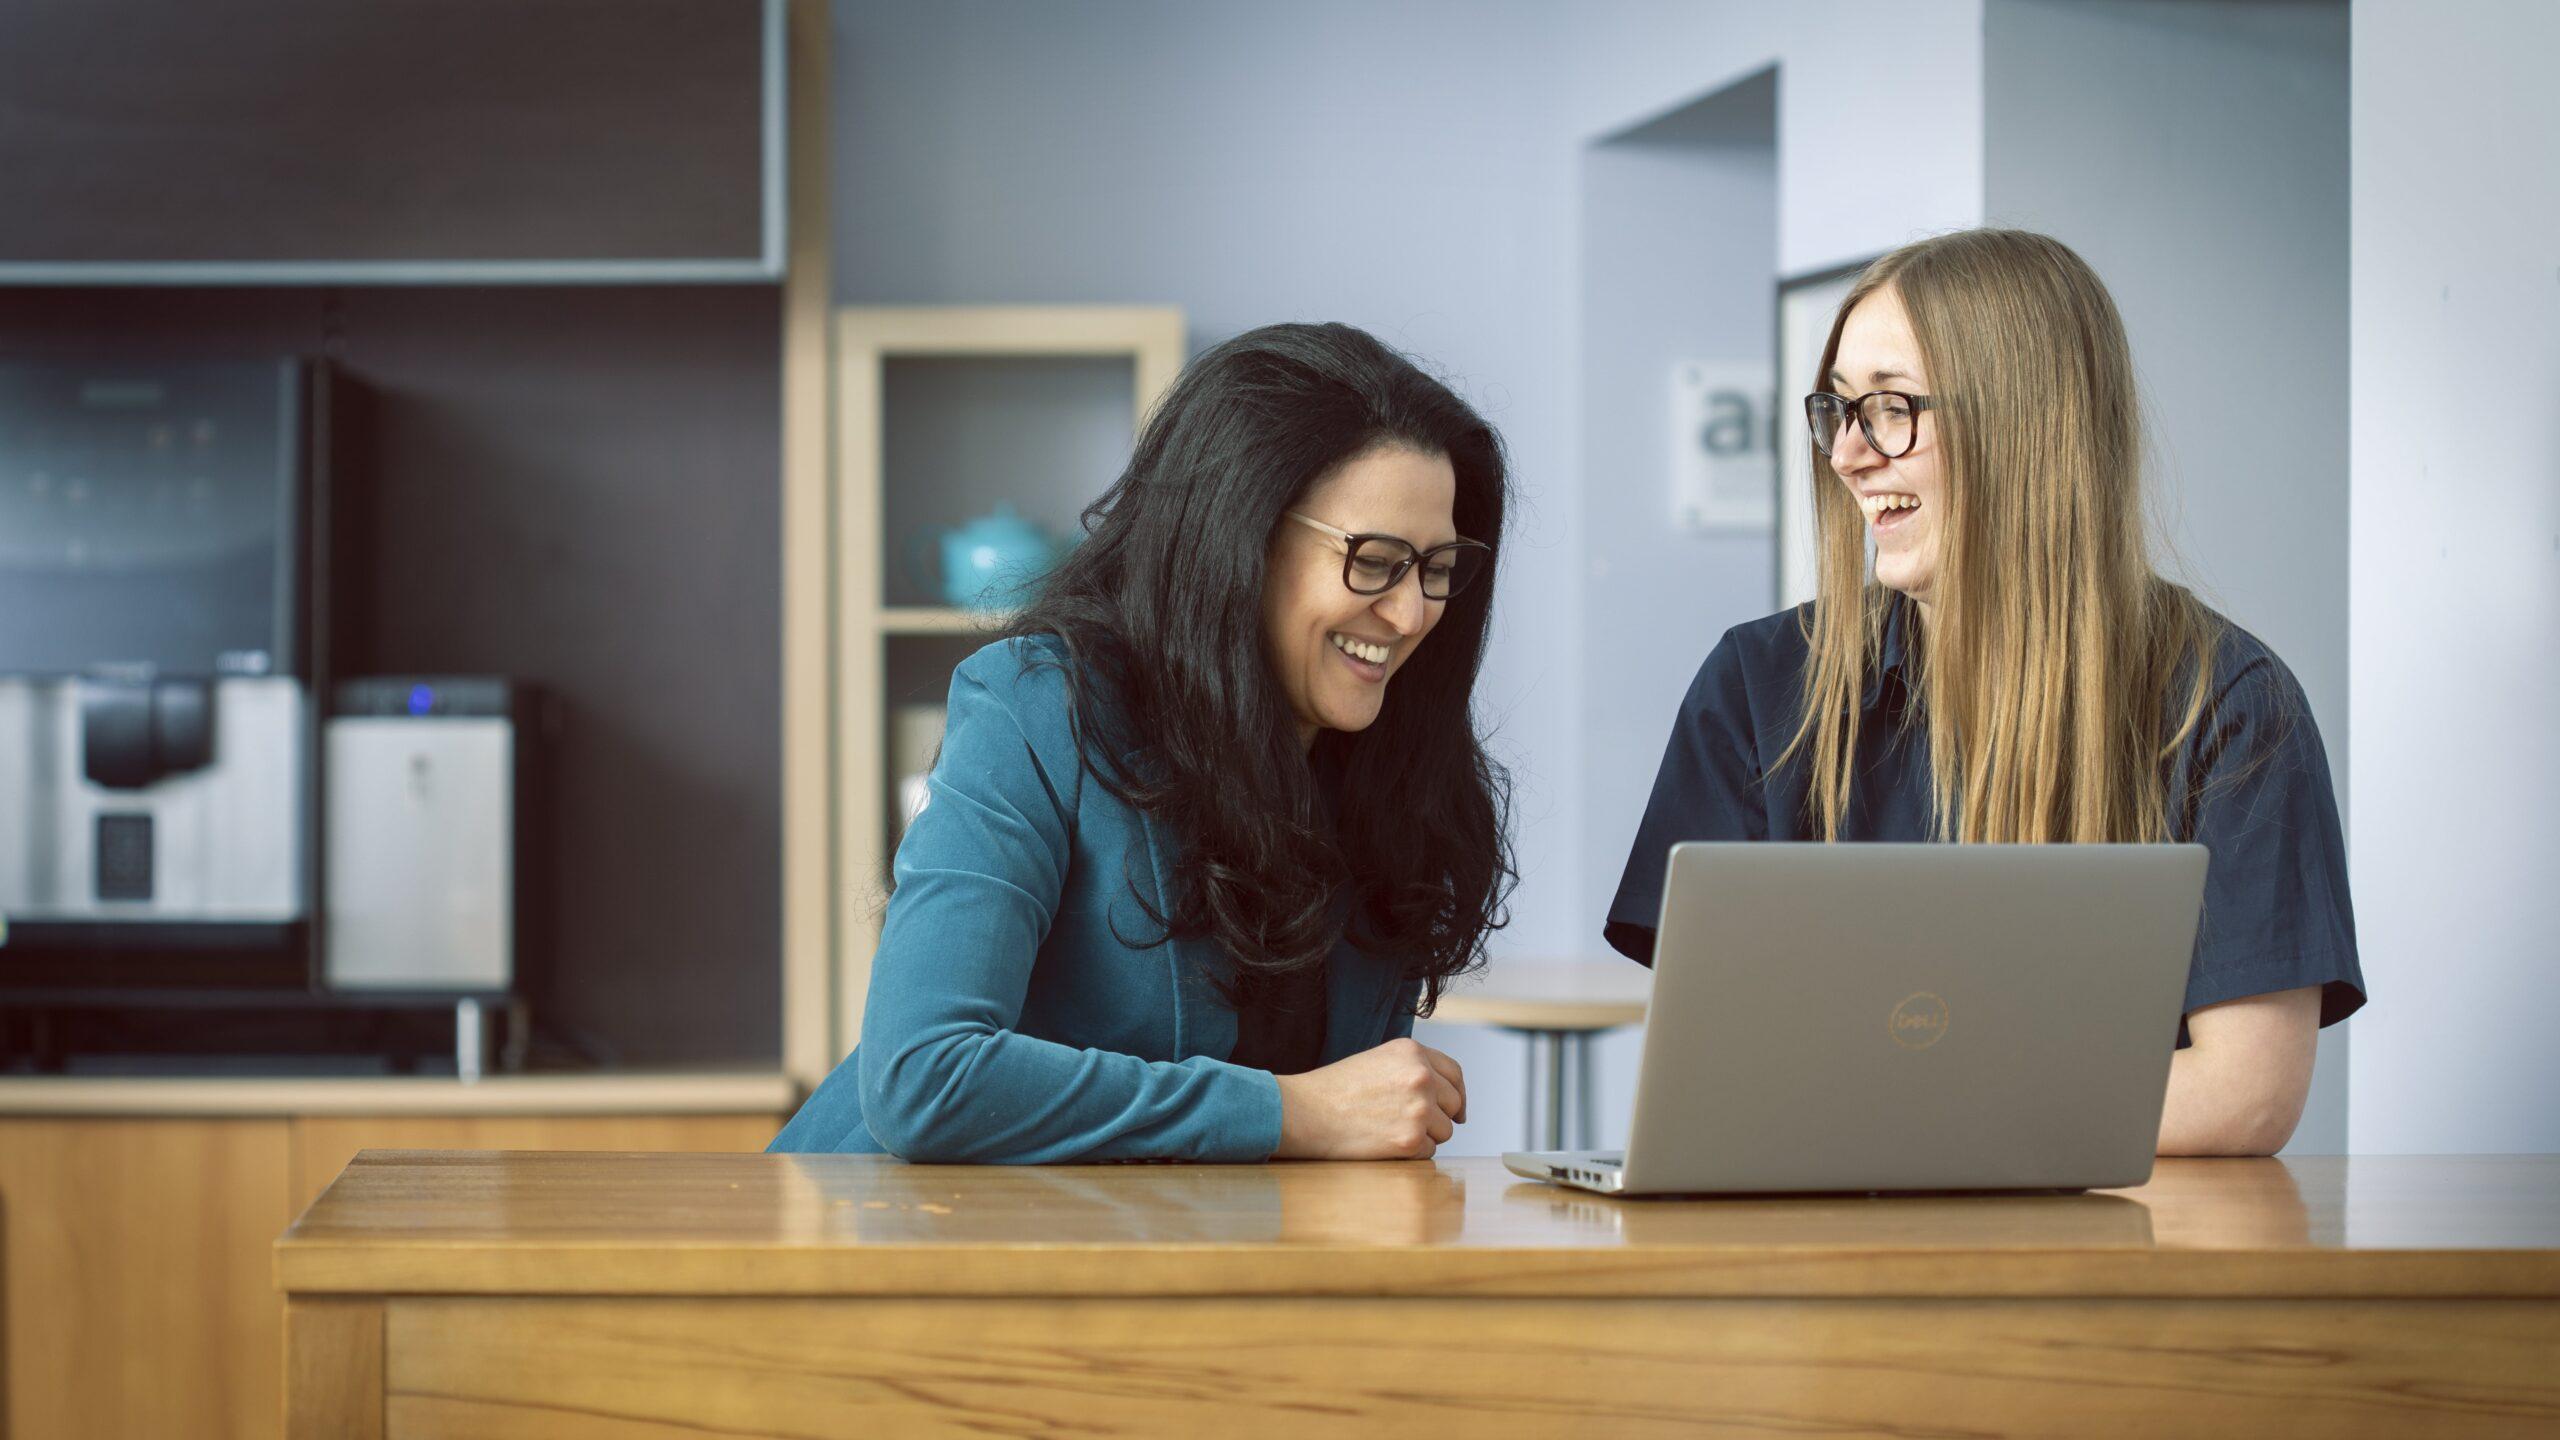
2455	574
1679	250
1679	256
1842	84
2195	153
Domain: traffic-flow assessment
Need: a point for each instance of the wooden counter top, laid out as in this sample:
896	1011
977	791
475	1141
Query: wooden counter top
485	1293
492	1222
590	1092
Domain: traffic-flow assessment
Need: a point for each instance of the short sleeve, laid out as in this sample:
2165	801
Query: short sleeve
2258	796
1708	788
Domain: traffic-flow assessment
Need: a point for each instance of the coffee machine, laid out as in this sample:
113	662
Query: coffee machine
164	574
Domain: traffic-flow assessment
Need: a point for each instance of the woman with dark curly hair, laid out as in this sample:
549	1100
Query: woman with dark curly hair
1211	822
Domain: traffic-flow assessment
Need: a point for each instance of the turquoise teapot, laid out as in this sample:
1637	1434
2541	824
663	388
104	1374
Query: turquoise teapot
992	562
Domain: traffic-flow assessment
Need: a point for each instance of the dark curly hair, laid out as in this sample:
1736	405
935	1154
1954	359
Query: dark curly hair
1180	714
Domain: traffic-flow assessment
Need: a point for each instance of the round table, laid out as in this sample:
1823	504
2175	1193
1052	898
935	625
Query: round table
1561	1007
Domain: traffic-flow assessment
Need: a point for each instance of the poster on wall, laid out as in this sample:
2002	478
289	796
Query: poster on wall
1722	471
1806	304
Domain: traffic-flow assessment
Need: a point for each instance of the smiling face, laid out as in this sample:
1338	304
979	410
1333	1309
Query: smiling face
1335	651
1902	498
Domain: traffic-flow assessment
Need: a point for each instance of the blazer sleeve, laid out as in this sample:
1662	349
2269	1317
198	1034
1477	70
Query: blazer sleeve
944	1075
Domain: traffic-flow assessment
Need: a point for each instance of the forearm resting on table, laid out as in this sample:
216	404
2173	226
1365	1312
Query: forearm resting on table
2238	1088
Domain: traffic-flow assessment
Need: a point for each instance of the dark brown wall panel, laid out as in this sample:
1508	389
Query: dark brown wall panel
380	131
578	486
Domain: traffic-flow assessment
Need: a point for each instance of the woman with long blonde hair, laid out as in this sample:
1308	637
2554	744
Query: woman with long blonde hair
2010	666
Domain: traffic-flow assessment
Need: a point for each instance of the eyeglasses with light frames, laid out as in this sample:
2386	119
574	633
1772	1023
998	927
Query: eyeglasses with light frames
1375	564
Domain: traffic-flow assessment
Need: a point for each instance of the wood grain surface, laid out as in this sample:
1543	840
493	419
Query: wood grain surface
333	1368
681	1091
323	1144
138	1294
1290	1367
477	1222
735	1295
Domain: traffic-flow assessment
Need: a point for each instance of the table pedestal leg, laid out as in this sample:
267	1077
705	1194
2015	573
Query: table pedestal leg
1586	1119
1559	1064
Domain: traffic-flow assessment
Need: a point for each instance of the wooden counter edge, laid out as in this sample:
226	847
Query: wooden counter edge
317	1264
649	1092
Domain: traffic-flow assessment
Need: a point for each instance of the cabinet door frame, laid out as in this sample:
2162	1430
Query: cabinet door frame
1152	338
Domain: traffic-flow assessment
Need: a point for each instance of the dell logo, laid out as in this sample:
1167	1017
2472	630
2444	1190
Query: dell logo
1918	1022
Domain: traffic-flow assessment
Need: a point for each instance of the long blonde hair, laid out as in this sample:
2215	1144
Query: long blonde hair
2053	643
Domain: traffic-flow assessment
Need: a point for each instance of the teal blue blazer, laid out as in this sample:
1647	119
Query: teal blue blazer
1016	1012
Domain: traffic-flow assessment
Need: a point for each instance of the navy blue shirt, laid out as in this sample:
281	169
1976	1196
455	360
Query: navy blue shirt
2251	785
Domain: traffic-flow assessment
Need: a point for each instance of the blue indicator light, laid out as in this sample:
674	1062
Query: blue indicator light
422	699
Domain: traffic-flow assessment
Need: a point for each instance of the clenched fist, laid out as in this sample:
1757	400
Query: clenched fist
1399	1101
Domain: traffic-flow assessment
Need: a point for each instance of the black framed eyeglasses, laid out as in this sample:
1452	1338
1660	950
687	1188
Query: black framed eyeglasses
1376	564
1889	418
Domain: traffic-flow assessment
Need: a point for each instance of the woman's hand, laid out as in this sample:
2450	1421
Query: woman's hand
1397	1102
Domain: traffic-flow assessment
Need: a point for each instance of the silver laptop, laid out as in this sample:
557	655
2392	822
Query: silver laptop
1904	1017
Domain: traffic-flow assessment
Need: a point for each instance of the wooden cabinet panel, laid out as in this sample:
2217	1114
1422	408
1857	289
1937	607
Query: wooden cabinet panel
333	1368
140	1293
322	1145
1394	1367
139	1281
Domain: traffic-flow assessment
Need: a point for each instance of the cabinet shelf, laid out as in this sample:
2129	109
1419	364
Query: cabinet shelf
940	620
